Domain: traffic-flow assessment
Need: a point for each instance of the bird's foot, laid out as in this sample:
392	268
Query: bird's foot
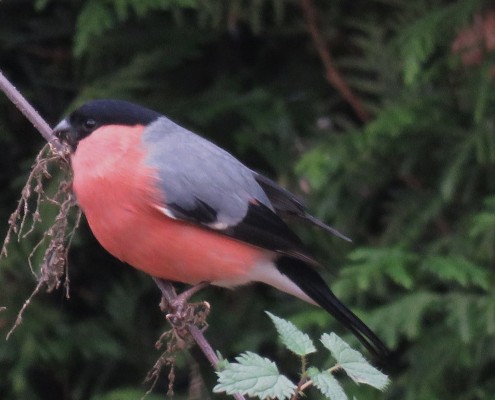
179	302
190	314
180	313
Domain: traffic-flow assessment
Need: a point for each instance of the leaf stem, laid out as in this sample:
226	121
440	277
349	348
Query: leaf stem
309	382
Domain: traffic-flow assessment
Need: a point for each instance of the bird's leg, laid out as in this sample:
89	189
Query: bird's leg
178	303
181	313
177	310
170	300
168	293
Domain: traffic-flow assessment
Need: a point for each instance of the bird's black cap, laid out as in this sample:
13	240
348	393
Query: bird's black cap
96	113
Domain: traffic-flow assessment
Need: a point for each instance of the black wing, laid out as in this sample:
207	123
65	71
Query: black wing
286	204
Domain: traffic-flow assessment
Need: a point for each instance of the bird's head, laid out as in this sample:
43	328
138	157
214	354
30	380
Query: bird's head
97	113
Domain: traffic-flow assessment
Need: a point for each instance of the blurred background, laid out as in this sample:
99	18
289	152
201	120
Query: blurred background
378	113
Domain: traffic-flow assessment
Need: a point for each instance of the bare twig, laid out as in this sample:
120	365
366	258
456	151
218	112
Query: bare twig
332	74
29	112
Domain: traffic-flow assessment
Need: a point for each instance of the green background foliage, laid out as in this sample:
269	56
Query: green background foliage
414	186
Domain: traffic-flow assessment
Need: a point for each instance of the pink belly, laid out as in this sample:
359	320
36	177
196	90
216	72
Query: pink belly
174	250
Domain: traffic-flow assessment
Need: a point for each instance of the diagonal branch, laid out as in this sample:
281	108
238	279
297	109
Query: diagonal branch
29	112
332	74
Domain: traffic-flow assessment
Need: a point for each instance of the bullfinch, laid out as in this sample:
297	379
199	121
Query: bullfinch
176	206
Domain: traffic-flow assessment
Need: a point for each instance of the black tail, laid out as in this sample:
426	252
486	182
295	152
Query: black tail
315	287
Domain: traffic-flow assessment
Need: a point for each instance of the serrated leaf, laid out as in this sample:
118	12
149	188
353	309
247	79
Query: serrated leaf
325	382
296	341
254	375
353	363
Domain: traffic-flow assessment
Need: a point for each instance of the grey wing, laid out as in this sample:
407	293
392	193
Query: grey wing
207	186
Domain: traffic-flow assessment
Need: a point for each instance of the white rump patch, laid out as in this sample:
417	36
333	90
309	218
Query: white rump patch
267	272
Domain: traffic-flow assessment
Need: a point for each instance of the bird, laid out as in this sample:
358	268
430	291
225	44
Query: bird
176	206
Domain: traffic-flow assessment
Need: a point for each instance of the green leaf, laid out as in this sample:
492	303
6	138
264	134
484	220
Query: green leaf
40	5
404	316
327	384
455	169
459	270
482	230
253	375
461	314
296	341
98	17
94	19
419	40
392	122
353	363
370	264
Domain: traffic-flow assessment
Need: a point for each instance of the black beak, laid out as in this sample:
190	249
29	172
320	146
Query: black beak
64	132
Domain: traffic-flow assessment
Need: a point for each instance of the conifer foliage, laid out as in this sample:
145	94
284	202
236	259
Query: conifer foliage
411	180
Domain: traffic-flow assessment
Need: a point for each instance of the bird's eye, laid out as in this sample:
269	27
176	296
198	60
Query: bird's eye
89	124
